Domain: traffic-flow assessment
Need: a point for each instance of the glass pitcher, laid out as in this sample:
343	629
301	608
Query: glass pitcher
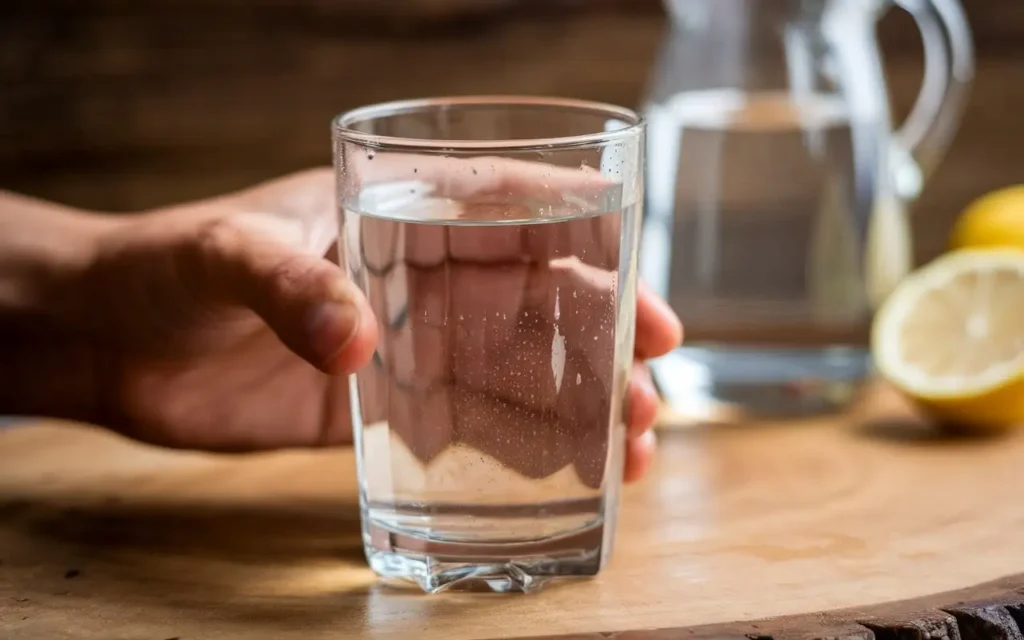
775	218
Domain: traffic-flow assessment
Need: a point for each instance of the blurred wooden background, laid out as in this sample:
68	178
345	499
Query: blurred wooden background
128	104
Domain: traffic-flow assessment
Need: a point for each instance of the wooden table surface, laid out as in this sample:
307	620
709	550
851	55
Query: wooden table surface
105	539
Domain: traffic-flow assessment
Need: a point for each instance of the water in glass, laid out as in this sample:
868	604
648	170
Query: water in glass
491	413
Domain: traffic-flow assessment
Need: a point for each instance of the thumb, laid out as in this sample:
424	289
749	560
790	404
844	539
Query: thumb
304	299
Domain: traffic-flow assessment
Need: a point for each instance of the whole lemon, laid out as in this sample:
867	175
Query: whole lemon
994	220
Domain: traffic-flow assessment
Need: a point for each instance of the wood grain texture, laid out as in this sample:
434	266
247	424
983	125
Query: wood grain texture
869	526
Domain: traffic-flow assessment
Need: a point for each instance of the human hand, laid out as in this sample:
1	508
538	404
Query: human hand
217	325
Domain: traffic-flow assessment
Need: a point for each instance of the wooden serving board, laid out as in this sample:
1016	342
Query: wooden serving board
871	525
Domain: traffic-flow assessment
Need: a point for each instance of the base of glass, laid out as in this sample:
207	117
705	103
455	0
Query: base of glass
723	384
435	575
501	567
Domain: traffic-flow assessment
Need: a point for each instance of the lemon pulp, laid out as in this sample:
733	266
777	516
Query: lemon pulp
952	337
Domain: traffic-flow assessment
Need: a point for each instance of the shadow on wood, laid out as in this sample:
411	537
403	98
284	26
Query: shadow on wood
172	556
917	433
224	532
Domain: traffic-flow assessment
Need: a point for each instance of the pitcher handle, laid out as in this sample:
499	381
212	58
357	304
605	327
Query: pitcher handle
949	69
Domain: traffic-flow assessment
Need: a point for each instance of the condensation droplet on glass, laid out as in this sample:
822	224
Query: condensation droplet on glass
579	378
371	154
461	317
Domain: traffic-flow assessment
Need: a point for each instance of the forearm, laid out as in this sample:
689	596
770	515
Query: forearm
47	364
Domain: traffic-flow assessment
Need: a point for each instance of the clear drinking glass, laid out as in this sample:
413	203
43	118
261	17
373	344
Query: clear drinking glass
496	240
777	185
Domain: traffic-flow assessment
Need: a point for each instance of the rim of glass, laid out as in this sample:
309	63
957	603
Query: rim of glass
342	124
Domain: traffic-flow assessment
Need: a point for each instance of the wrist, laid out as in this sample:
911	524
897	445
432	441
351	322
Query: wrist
46	252
50	363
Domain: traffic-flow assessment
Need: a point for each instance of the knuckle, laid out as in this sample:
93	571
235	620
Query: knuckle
291	272
301	273
219	236
208	256
257	268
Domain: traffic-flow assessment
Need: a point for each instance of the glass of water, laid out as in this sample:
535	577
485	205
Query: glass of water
496	240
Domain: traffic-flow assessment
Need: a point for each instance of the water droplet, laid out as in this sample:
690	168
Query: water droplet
371	154
579	378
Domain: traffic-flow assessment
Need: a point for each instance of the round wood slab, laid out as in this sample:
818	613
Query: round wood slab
870	526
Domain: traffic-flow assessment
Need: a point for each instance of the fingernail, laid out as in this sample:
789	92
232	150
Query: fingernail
643	381
661	307
642	403
331	326
665	310
646	387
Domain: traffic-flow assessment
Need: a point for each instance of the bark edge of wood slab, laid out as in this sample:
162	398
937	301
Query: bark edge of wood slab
990	611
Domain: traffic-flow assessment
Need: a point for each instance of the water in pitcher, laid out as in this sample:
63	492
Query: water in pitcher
758	207
494	400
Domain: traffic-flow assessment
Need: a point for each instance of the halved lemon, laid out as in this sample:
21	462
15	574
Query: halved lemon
951	336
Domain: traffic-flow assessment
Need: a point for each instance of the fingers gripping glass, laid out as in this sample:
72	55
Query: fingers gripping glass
495	239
